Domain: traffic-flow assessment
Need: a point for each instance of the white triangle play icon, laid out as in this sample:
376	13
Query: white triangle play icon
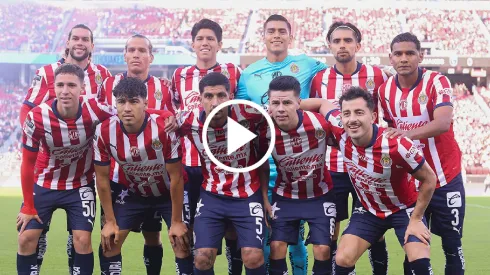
237	136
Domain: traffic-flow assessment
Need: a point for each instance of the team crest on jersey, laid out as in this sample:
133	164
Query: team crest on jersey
423	98
36	79
73	134
225	73
370	84
158	95
320	134
386	160
403	104
244	123
98	79
296	141
294	68
156	145
135	152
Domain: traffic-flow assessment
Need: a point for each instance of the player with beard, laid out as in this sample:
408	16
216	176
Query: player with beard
207	41
344	41
79	48
383	171
253	86
418	104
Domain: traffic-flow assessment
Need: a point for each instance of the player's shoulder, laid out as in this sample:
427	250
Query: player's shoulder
256	66
314	115
229	65
48	69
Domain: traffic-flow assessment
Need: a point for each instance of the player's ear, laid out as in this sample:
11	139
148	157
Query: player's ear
358	47
390	55
374	115
151	57
125	56
421	56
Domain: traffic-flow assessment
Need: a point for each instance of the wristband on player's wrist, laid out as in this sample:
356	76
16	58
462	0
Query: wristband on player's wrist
28	210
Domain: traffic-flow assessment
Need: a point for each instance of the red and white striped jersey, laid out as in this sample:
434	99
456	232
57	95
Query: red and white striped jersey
185	94
42	87
330	84
412	108
217	180
299	155
159	97
141	157
379	172
65	155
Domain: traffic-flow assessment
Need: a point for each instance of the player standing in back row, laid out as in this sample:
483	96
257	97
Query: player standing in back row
254	85
207	41
344	41
79	48
417	102
138	55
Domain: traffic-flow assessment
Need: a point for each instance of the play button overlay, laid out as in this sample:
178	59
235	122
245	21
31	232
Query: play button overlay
238	135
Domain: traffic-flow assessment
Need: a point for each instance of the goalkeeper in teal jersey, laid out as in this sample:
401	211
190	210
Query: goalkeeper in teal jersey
253	86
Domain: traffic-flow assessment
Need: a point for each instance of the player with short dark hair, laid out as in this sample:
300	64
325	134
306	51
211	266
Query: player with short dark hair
253	86
303	187
418	104
225	197
206	42
344	41
148	167
56	140
378	166
79	48
138	55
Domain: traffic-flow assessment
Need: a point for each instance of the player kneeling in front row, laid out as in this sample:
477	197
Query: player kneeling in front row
150	167
303	185
57	169
378	167
226	197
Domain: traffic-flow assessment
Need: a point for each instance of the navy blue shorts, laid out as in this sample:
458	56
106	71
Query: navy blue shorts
193	189
152	223
214	213
131	209
446	210
367	226
342	187
78	203
318	212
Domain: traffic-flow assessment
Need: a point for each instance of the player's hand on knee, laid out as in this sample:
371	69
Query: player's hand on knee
394	133
24	219
418	229
171	124
267	212
178	237
110	229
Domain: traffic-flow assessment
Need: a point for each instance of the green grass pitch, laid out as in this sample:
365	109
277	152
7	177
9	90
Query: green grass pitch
476	243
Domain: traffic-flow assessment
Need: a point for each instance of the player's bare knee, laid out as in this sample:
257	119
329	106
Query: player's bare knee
152	238
28	242
321	252
182	253
416	250
204	258
252	257
82	241
278	250
344	258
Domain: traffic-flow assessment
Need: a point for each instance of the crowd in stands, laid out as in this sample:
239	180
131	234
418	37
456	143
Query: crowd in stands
11	97
451	30
471	131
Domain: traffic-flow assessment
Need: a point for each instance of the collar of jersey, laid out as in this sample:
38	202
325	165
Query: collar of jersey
212	67
141	129
419	78
57	114
375	135
359	66
300	121
202	115
125	74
